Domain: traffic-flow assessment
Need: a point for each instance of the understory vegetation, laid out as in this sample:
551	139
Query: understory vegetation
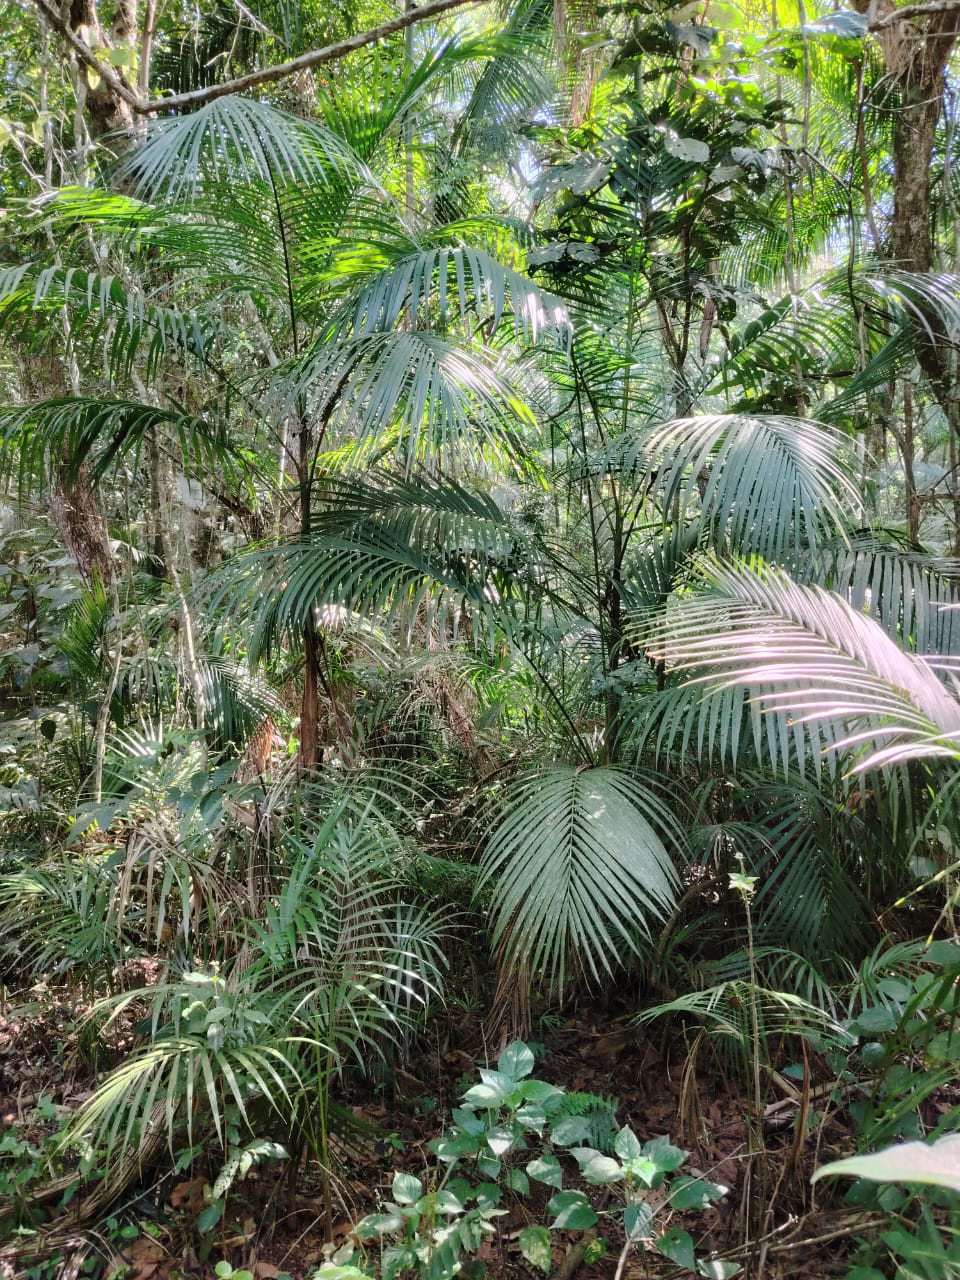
479	640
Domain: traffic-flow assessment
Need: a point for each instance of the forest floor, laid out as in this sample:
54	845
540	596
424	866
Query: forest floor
271	1230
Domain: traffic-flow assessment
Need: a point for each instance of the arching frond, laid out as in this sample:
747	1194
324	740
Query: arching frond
231	139
443	282
913	596
69	433
415	395
803	652
377	550
33	298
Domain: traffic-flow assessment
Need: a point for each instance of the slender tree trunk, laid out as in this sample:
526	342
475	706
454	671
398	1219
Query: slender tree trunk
908	451
916	51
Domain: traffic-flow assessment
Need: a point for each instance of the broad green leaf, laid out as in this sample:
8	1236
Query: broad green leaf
875	1021
677	1245
406	1188
636	1220
500	1140
665	1155
490	1097
450	1149
516	1060
209	1216
721	1269
535	1246
571	1210
546	1168
532	1117
595	1168
936	1164
469	1121
446	1202
487	1195
378	1224
688	149
489	1167
569	1130
626	1144
548	1095
694	1193
943	953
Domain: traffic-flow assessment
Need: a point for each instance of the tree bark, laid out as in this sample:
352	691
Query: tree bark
81	525
917	42
108	110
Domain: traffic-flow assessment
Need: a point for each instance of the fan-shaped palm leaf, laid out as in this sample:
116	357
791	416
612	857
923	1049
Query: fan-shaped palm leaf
414	394
576	868
232	139
445	281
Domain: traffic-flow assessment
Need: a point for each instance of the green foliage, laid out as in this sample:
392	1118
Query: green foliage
538	408
500	1122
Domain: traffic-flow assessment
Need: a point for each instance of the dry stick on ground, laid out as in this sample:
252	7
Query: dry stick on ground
852	1222
269	75
573	1259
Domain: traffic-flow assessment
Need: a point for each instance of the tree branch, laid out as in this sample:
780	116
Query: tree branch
86	55
915	11
269	75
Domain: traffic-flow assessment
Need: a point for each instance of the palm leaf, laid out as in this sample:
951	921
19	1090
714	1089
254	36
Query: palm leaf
374	551
33	297
807	655
101	433
576	868
443	281
912	595
235	140
765	484
414	394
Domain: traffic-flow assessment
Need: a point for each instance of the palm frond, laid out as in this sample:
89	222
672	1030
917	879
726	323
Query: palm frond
231	140
912	595
443	282
576	869
214	1046
77	431
375	551
32	297
415	395
767	485
806	654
